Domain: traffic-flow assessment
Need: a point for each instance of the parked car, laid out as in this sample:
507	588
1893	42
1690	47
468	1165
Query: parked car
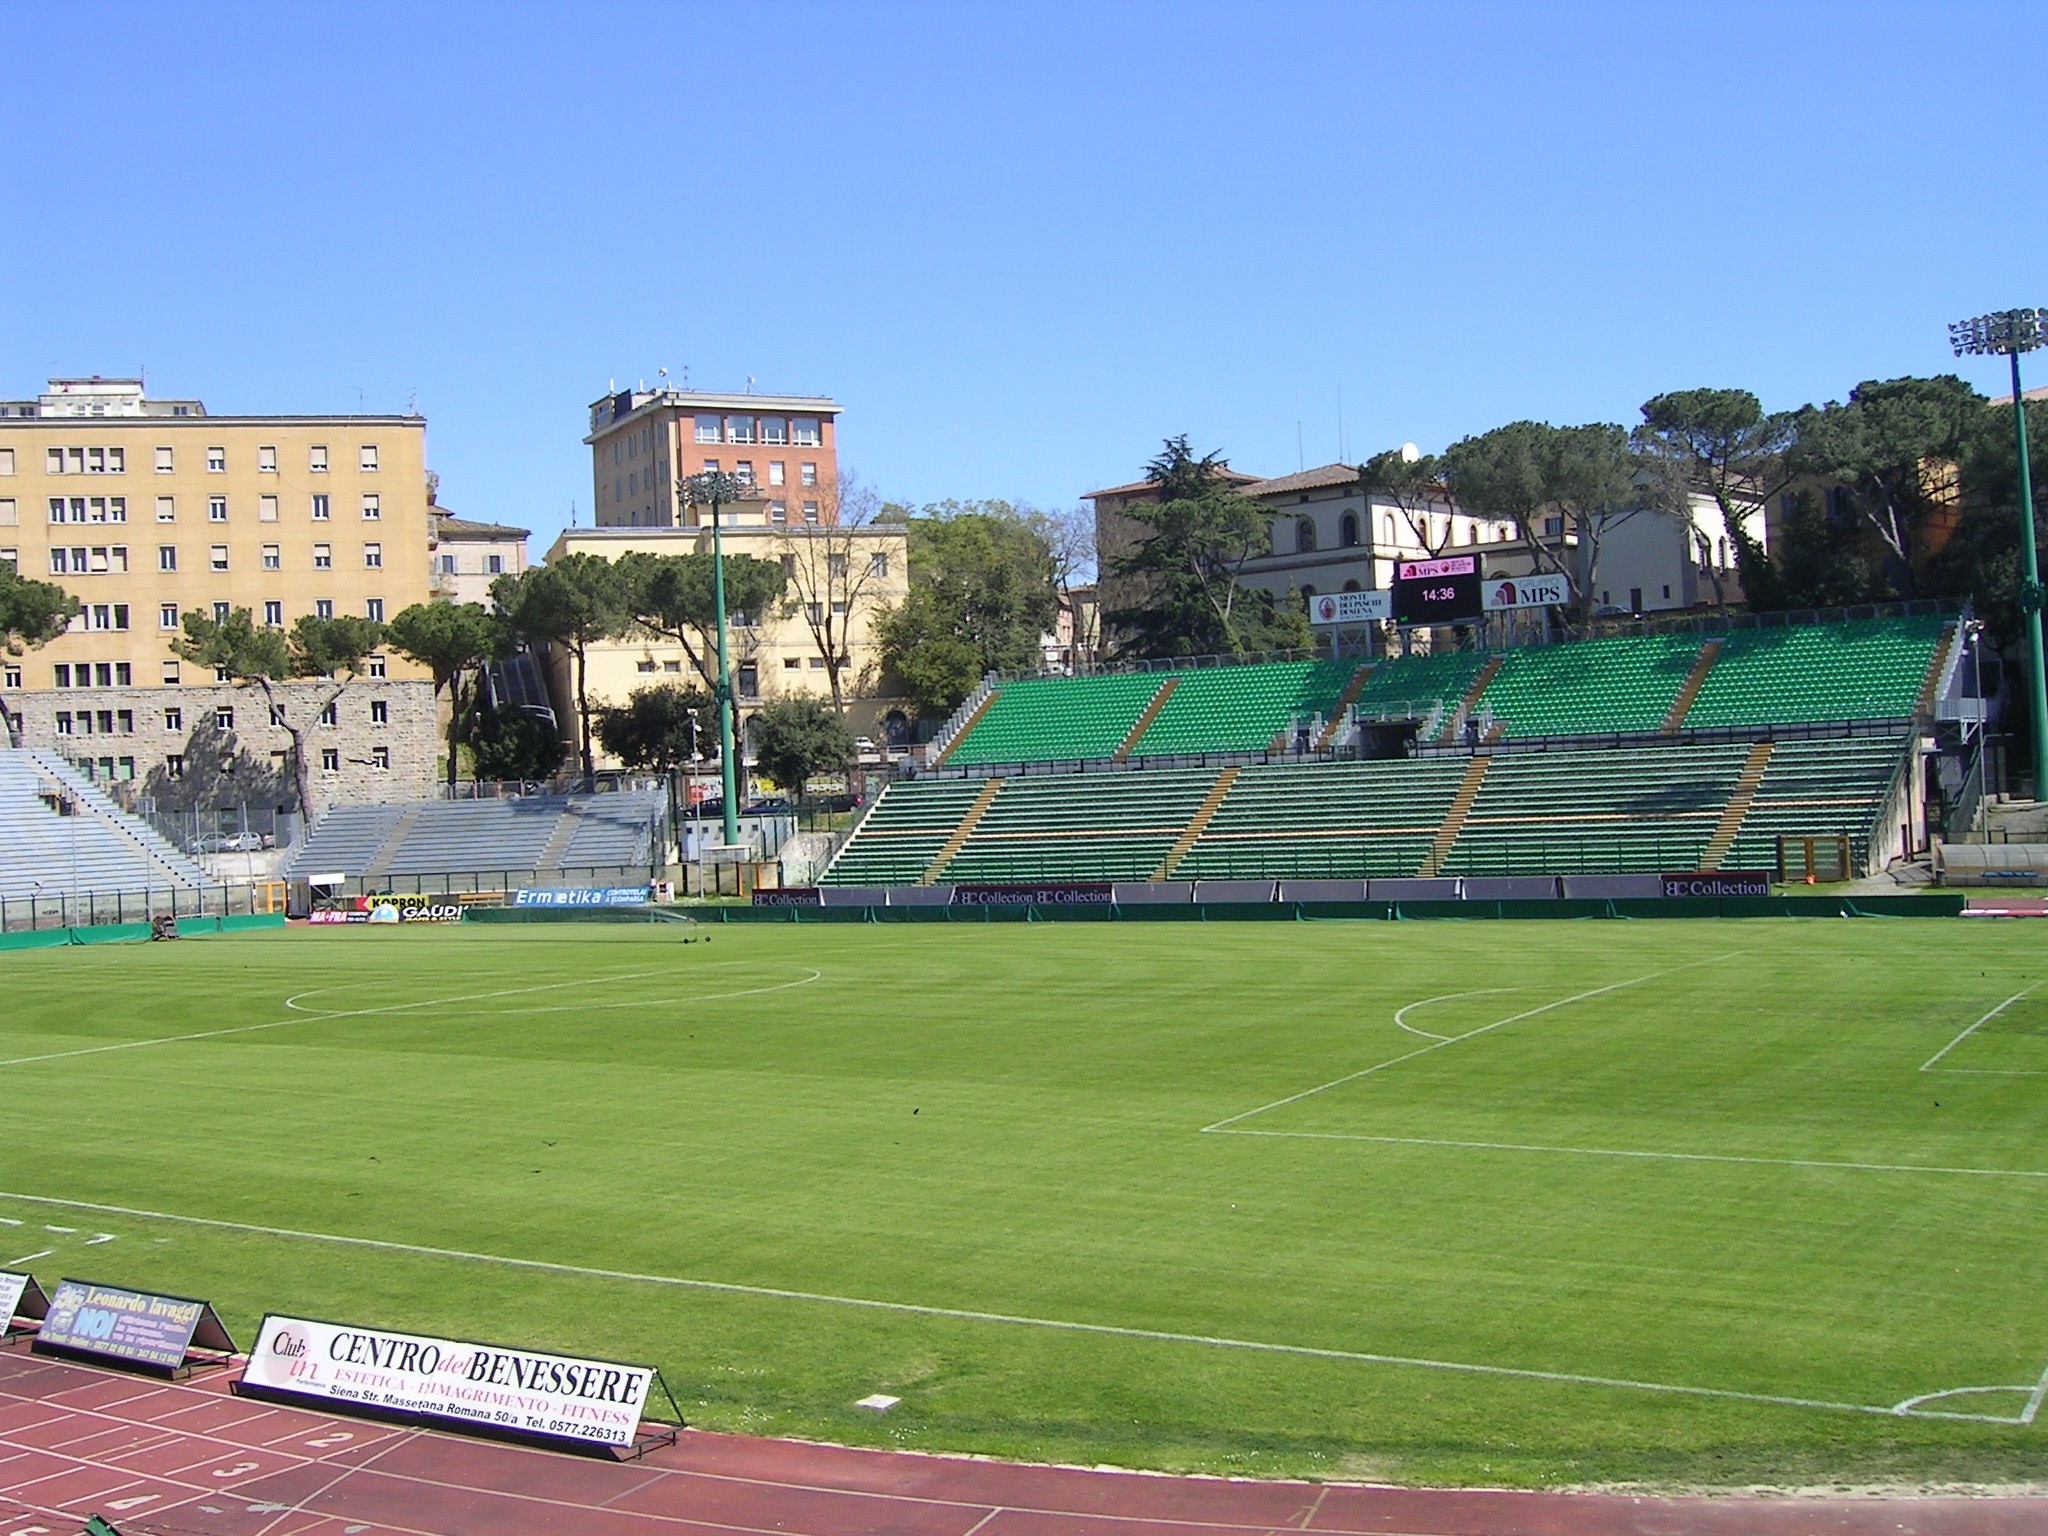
771	805
230	842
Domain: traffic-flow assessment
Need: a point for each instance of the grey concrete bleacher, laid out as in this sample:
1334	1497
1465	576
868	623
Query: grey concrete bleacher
535	833
97	847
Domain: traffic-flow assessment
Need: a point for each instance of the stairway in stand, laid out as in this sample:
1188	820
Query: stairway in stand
379	866
1730	824
1454	818
1195	828
1681	706
961	833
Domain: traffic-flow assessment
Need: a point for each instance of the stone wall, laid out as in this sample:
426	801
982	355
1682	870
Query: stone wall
198	758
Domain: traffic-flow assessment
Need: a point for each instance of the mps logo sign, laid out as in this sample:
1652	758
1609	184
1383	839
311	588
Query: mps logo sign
1527	592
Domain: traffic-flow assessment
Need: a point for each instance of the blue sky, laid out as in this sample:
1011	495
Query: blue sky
1020	243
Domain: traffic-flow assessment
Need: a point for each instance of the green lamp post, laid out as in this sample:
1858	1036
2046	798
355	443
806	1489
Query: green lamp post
2011	332
715	490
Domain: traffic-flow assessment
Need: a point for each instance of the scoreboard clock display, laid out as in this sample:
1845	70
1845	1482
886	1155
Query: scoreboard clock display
1444	591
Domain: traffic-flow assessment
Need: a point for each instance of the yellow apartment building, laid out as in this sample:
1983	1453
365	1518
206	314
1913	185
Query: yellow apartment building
149	509
839	579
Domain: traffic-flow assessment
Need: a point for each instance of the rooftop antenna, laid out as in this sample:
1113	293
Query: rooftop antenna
1340	423
686	376
1300	453
360	411
572	514
661	379
750	383
412	401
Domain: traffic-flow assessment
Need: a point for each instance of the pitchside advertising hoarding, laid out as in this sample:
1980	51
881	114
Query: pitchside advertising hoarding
393	909
518	1391
1440	598
600	896
134	1327
20	1297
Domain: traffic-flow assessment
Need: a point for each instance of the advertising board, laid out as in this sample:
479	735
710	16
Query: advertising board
1073	894
21	1297
1350	607
787	896
1441	591
1726	882
597	896
114	1323
1527	592
519	1391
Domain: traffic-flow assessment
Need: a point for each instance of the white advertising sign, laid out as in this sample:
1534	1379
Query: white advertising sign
1350	607
11	1287
516	1390
1526	592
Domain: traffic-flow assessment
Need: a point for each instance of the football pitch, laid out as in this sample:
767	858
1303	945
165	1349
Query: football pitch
1465	1202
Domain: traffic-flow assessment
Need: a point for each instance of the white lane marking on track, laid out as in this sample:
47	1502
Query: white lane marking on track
1156	1335
1928	1064
1424	1050
357	1013
1677	1157
1401	1014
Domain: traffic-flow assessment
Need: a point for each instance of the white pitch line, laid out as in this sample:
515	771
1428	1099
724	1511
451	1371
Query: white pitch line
29	1257
1928	1064
1680	1157
1424	1050
2034	1401
357	1013
1401	1014
1060	1325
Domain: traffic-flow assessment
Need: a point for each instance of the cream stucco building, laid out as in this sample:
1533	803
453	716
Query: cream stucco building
148	510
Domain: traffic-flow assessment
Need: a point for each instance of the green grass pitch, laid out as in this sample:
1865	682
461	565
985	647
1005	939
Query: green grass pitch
1507	1203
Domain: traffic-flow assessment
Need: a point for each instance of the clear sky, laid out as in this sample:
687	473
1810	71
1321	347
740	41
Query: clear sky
1020	243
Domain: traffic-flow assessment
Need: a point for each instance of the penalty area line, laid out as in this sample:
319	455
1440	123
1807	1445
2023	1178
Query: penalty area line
1676	1157
1929	1063
962	1314
1439	1042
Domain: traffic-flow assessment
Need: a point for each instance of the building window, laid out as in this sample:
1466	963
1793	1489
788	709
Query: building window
835	567
1347	530
373	610
776	472
323	607
804	432
373	557
778	511
174	765
494	565
750	680
323	557
167	509
377	668
817	663
273	613
447	565
644	664
810	511
792	663
739	429
316	458
711	466
171	672
319	509
222	612
167	616
64	722
1304	536
330	714
372	508
10	677
174	719
707	429
380	758
10	515
1553	527
369	458
167	557
218	554
216	509
6	459
878	565
273	558
224	717
166	461
216	461
266	509
11	558
380	712
266	460
809	474
330	759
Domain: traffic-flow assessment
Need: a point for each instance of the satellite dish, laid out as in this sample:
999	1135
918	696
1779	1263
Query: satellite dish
1410	453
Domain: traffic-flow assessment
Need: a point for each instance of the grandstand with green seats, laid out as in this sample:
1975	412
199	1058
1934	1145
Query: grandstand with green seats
1711	747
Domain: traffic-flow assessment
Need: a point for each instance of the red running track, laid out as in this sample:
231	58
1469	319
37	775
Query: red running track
191	1460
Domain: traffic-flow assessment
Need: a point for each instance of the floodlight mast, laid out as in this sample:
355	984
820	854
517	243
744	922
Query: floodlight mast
2011	332
716	489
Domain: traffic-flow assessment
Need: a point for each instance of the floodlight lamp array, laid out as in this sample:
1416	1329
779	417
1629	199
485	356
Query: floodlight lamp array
2004	332
712	487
